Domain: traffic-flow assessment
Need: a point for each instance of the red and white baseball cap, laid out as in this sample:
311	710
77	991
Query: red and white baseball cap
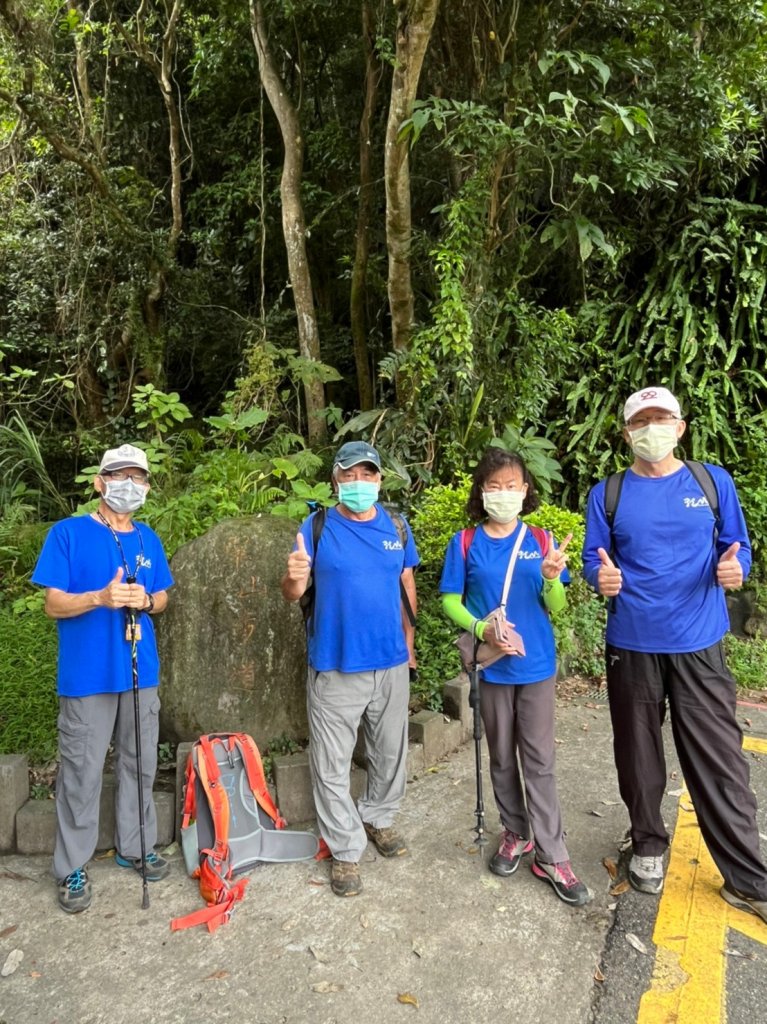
651	398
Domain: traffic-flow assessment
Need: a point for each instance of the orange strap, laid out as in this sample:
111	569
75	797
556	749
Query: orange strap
256	778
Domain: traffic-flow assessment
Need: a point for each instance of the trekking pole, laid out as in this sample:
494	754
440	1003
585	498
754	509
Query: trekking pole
139	769
479	828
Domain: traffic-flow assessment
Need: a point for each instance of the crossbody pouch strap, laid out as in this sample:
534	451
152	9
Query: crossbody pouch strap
510	569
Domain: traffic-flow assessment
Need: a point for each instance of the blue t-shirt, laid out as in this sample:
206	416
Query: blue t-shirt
79	555
357	621
663	532
480	577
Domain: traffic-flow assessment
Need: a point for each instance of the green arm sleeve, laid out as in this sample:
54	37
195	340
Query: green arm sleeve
554	596
456	610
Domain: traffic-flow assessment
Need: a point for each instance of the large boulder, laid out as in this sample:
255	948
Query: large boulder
232	651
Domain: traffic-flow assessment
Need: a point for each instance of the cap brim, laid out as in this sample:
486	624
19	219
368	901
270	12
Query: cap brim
122	465
348	463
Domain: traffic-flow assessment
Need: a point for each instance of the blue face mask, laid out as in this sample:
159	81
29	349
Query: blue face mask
359	495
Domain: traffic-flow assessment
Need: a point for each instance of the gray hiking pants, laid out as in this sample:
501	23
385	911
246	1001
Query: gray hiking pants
86	726
520	719
336	704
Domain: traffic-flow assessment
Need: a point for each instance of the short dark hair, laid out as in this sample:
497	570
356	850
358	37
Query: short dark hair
493	460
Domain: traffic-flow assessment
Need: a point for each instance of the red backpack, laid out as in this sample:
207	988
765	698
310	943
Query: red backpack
541	535
230	823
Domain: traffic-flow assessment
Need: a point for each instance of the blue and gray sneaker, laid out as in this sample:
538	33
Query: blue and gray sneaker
75	892
157	867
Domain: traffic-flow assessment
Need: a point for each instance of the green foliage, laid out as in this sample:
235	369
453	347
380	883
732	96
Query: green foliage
746	660
437	655
28	702
441	512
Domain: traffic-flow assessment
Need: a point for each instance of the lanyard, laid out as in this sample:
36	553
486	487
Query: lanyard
139	557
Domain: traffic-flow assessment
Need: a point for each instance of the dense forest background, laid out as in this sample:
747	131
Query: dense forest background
240	232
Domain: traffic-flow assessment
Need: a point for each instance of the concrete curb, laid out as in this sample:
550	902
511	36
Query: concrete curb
29	826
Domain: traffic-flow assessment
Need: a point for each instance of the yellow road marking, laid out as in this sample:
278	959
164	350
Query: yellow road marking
688	982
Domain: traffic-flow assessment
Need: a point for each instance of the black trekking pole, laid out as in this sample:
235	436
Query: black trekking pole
137	723
479	828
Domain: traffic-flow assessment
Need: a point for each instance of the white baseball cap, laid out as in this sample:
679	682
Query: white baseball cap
651	398
124	457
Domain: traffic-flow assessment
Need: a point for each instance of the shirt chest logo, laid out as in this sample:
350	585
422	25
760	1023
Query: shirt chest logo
529	554
392	545
696	503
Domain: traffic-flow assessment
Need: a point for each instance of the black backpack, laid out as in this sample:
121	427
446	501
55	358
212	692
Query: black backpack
704	480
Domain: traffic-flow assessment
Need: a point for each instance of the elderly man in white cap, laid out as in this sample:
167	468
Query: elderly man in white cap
356	560
105	576
664	540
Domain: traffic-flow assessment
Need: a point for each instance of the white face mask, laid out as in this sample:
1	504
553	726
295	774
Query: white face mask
503	506
123	496
654	442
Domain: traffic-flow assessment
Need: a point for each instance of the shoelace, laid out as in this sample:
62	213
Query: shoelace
151	858
566	874
649	864
76	881
509	844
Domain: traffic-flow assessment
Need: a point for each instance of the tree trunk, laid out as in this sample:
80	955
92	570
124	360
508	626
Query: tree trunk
357	303
293	223
414	24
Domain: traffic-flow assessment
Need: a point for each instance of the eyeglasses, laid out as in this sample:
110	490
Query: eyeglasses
644	421
137	476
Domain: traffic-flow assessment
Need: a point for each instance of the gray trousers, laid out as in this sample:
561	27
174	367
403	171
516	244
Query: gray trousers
86	726
336	704
520	720
708	739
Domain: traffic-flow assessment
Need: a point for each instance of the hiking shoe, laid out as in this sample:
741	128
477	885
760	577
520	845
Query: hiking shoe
157	867
750	904
646	873
387	841
566	885
75	892
345	878
510	853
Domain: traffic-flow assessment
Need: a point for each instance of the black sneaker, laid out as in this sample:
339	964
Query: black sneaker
563	879
157	867
345	878
75	892
387	841
750	904
511	850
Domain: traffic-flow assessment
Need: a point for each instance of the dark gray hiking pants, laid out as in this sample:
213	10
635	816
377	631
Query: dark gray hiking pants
708	739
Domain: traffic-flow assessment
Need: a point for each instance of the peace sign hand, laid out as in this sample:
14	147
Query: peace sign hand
556	559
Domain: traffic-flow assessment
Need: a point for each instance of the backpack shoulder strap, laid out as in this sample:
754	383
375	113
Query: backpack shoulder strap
543	538
254	769
705	481
467	537
613	488
399	524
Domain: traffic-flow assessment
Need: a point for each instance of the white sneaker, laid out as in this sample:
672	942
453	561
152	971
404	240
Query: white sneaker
646	873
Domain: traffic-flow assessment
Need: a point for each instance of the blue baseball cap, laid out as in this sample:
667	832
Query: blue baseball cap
354	452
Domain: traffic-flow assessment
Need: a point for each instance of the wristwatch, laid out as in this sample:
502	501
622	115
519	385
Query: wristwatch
150	606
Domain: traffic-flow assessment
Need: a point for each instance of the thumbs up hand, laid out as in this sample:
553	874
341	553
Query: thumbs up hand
116	594
729	571
609	578
299	562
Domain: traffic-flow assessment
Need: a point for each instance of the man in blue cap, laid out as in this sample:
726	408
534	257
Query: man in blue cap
359	653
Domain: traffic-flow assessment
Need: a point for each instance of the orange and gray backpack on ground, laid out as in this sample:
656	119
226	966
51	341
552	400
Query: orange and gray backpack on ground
230	824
